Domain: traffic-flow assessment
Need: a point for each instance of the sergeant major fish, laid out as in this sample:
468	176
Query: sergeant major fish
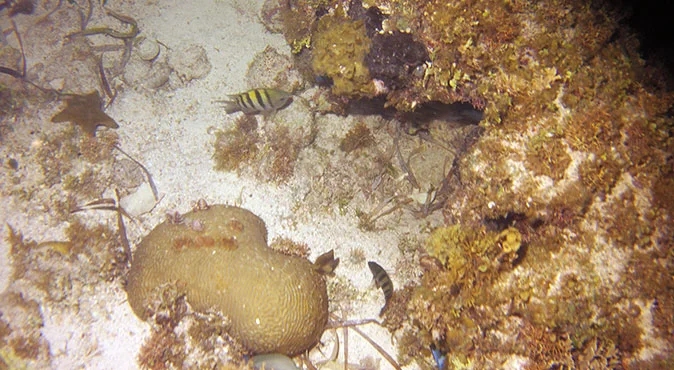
256	101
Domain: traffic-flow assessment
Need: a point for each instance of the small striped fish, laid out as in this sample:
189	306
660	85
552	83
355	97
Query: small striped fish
256	101
382	281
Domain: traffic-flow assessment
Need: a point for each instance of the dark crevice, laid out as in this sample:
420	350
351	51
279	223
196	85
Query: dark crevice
461	113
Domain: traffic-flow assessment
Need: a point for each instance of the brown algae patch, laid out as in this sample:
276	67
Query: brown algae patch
273	302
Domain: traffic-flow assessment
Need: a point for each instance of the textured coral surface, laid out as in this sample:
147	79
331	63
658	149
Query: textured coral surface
219	259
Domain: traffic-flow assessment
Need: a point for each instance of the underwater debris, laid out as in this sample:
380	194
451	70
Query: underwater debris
18	6
131	34
85	111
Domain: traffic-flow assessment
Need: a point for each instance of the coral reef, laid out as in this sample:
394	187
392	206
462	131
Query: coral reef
182	339
237	146
446	304
339	46
556	249
394	57
575	154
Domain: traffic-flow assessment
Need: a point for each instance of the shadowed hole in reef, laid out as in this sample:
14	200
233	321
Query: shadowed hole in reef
456	113
414	162
521	222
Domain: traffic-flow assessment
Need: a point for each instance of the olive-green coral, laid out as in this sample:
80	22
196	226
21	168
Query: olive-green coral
339	48
274	302
458	246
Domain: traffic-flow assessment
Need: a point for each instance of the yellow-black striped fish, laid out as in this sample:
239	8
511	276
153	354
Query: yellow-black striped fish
382	281
256	101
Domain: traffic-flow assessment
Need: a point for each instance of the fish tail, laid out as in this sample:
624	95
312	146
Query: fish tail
231	105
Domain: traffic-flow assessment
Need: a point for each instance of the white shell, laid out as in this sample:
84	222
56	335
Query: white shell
147	49
139	202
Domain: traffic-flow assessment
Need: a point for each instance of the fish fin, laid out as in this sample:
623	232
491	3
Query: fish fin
326	263
383	309
230	104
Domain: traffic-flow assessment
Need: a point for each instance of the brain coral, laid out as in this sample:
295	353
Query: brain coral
218	257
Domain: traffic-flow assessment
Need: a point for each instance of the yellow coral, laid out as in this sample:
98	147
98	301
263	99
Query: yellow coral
339	49
299	45
511	240
460	248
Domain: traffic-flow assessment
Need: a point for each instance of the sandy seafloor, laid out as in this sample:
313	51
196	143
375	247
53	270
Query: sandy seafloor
168	130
